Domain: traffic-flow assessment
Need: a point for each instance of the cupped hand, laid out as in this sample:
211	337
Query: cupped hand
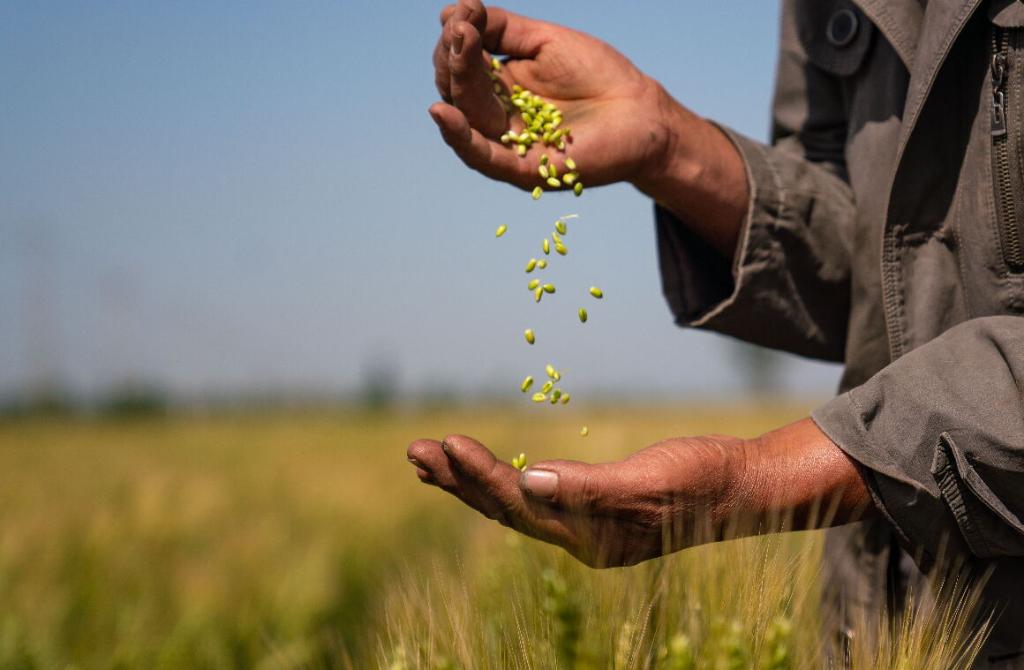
617	114
609	514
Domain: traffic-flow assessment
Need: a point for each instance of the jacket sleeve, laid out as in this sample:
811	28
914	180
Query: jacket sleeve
788	285
940	436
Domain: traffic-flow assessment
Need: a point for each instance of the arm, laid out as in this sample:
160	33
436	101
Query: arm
749	235
674	494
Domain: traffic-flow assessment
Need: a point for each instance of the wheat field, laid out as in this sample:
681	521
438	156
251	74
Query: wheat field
304	540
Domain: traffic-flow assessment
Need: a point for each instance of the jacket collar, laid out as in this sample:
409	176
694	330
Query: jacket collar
899	21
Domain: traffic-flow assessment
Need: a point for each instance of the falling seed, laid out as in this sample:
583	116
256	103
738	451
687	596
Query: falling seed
583	315
528	334
550	369
554	183
543	159
545	245
553	171
548	385
495	64
537	192
543	171
521	150
534	283
531	265
541	264
561	227
570	163
556	238
555	395
578	189
584	431
538	293
569	178
561	249
539	397
565	398
527	383
501	230
596	292
548	288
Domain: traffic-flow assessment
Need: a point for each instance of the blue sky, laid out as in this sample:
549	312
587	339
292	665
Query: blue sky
222	196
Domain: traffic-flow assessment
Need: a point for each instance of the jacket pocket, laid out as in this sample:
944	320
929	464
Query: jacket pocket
984	495
835	35
1007	129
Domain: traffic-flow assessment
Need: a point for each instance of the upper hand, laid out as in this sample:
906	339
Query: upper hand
616	114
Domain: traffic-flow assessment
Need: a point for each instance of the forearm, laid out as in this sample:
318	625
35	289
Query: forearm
700	177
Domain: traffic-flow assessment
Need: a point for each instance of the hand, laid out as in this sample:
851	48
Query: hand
625	126
616	113
614	514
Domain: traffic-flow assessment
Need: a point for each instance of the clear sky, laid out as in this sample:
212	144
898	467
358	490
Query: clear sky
216	196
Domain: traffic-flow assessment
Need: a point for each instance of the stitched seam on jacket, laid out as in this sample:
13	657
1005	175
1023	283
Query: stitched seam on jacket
951	488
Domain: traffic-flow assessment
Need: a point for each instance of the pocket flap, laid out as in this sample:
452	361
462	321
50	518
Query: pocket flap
835	34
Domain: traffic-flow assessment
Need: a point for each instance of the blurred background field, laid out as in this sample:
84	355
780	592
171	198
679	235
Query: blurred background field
303	539
255	537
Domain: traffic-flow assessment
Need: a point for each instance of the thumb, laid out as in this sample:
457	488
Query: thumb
572	484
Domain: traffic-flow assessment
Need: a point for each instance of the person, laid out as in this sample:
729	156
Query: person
883	228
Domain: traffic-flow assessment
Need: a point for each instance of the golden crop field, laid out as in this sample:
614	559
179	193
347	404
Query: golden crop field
305	540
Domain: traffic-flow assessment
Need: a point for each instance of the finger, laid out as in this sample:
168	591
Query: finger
512	34
485	156
473	12
428	456
472	90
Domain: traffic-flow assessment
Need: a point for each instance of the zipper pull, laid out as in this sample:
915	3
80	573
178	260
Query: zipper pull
999	66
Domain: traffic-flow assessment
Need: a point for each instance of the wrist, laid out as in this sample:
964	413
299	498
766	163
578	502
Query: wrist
698	175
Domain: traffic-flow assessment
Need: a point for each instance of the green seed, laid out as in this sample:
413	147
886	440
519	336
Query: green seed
565	398
541	264
548	385
550	369
583	315
578	189
545	245
555	238
543	171
521	150
548	288
530	337
596	292
555	395
543	159
584	431
531	265
537	192
554	183
570	163
519	462
495	64
506	138
561	249
569	178
561	227
553	170
538	293
539	397
527	383
534	283
501	230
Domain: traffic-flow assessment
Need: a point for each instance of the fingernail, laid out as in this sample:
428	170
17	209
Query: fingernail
539	483
414	461
445	448
457	38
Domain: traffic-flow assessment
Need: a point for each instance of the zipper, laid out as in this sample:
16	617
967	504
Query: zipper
1009	219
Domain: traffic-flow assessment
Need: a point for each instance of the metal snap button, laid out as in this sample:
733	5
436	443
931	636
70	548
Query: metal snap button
842	28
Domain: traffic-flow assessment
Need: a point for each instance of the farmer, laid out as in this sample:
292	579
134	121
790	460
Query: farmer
884	228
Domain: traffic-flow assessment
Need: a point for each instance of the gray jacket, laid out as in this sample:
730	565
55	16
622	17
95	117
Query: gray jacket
886	230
